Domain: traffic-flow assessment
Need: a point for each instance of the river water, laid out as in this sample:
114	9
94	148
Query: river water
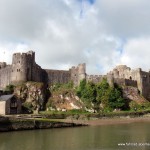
106	137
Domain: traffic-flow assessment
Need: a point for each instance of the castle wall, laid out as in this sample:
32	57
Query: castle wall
58	76
125	76
74	75
145	78
3	65
5	74
37	73
125	82
78	73
94	78
18	72
24	68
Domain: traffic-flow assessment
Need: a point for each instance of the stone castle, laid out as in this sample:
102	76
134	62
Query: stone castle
24	68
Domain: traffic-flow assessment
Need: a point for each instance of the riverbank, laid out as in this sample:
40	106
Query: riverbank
86	115
110	121
16	124
47	121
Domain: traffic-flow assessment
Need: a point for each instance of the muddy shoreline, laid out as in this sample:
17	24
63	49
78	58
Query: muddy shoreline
15	124
110	121
12	123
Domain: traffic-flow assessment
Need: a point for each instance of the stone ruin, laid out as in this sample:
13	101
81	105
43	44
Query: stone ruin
24	68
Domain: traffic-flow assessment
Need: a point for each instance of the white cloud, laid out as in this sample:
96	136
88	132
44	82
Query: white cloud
62	36
136	53
125	18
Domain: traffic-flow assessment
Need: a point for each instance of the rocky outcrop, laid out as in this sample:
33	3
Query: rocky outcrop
132	93
37	95
64	100
32	92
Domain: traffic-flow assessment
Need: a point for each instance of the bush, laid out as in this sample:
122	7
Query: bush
135	106
100	93
27	107
10	88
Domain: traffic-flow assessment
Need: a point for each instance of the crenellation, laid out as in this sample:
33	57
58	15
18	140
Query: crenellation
2	65
24	68
94	78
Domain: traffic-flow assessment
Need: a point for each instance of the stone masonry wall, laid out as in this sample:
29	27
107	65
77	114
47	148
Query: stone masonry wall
78	73
94	78
58	76
2	107
24	68
122	72
5	74
125	82
145	78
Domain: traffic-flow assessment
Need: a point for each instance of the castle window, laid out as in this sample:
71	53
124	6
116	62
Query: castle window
18	61
12	70
130	78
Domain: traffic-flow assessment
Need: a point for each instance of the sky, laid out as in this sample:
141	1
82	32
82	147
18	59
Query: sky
64	33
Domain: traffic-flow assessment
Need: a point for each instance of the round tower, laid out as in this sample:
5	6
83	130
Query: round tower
22	67
81	72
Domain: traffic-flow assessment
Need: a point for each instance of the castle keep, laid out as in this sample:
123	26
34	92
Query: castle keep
24	68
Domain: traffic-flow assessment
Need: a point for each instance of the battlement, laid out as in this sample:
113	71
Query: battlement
94	78
23	57
2	65
24	68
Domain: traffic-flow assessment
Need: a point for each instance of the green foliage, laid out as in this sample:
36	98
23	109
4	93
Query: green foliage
69	85
101	93
87	92
10	88
80	90
27	107
59	86
115	98
135	106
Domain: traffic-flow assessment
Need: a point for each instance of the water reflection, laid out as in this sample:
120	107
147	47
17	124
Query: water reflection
84	138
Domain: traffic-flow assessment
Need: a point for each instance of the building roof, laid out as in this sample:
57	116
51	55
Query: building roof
6	97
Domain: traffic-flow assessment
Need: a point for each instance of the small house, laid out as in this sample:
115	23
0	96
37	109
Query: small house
9	104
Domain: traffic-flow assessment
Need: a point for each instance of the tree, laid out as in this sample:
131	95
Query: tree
81	88
115	98
101	93
89	92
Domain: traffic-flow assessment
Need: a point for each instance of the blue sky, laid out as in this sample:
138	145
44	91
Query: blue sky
63	33
89	1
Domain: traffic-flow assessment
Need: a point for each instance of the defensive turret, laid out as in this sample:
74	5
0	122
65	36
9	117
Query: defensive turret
22	67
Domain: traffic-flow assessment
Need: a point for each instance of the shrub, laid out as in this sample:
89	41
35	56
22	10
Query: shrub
100	93
9	88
